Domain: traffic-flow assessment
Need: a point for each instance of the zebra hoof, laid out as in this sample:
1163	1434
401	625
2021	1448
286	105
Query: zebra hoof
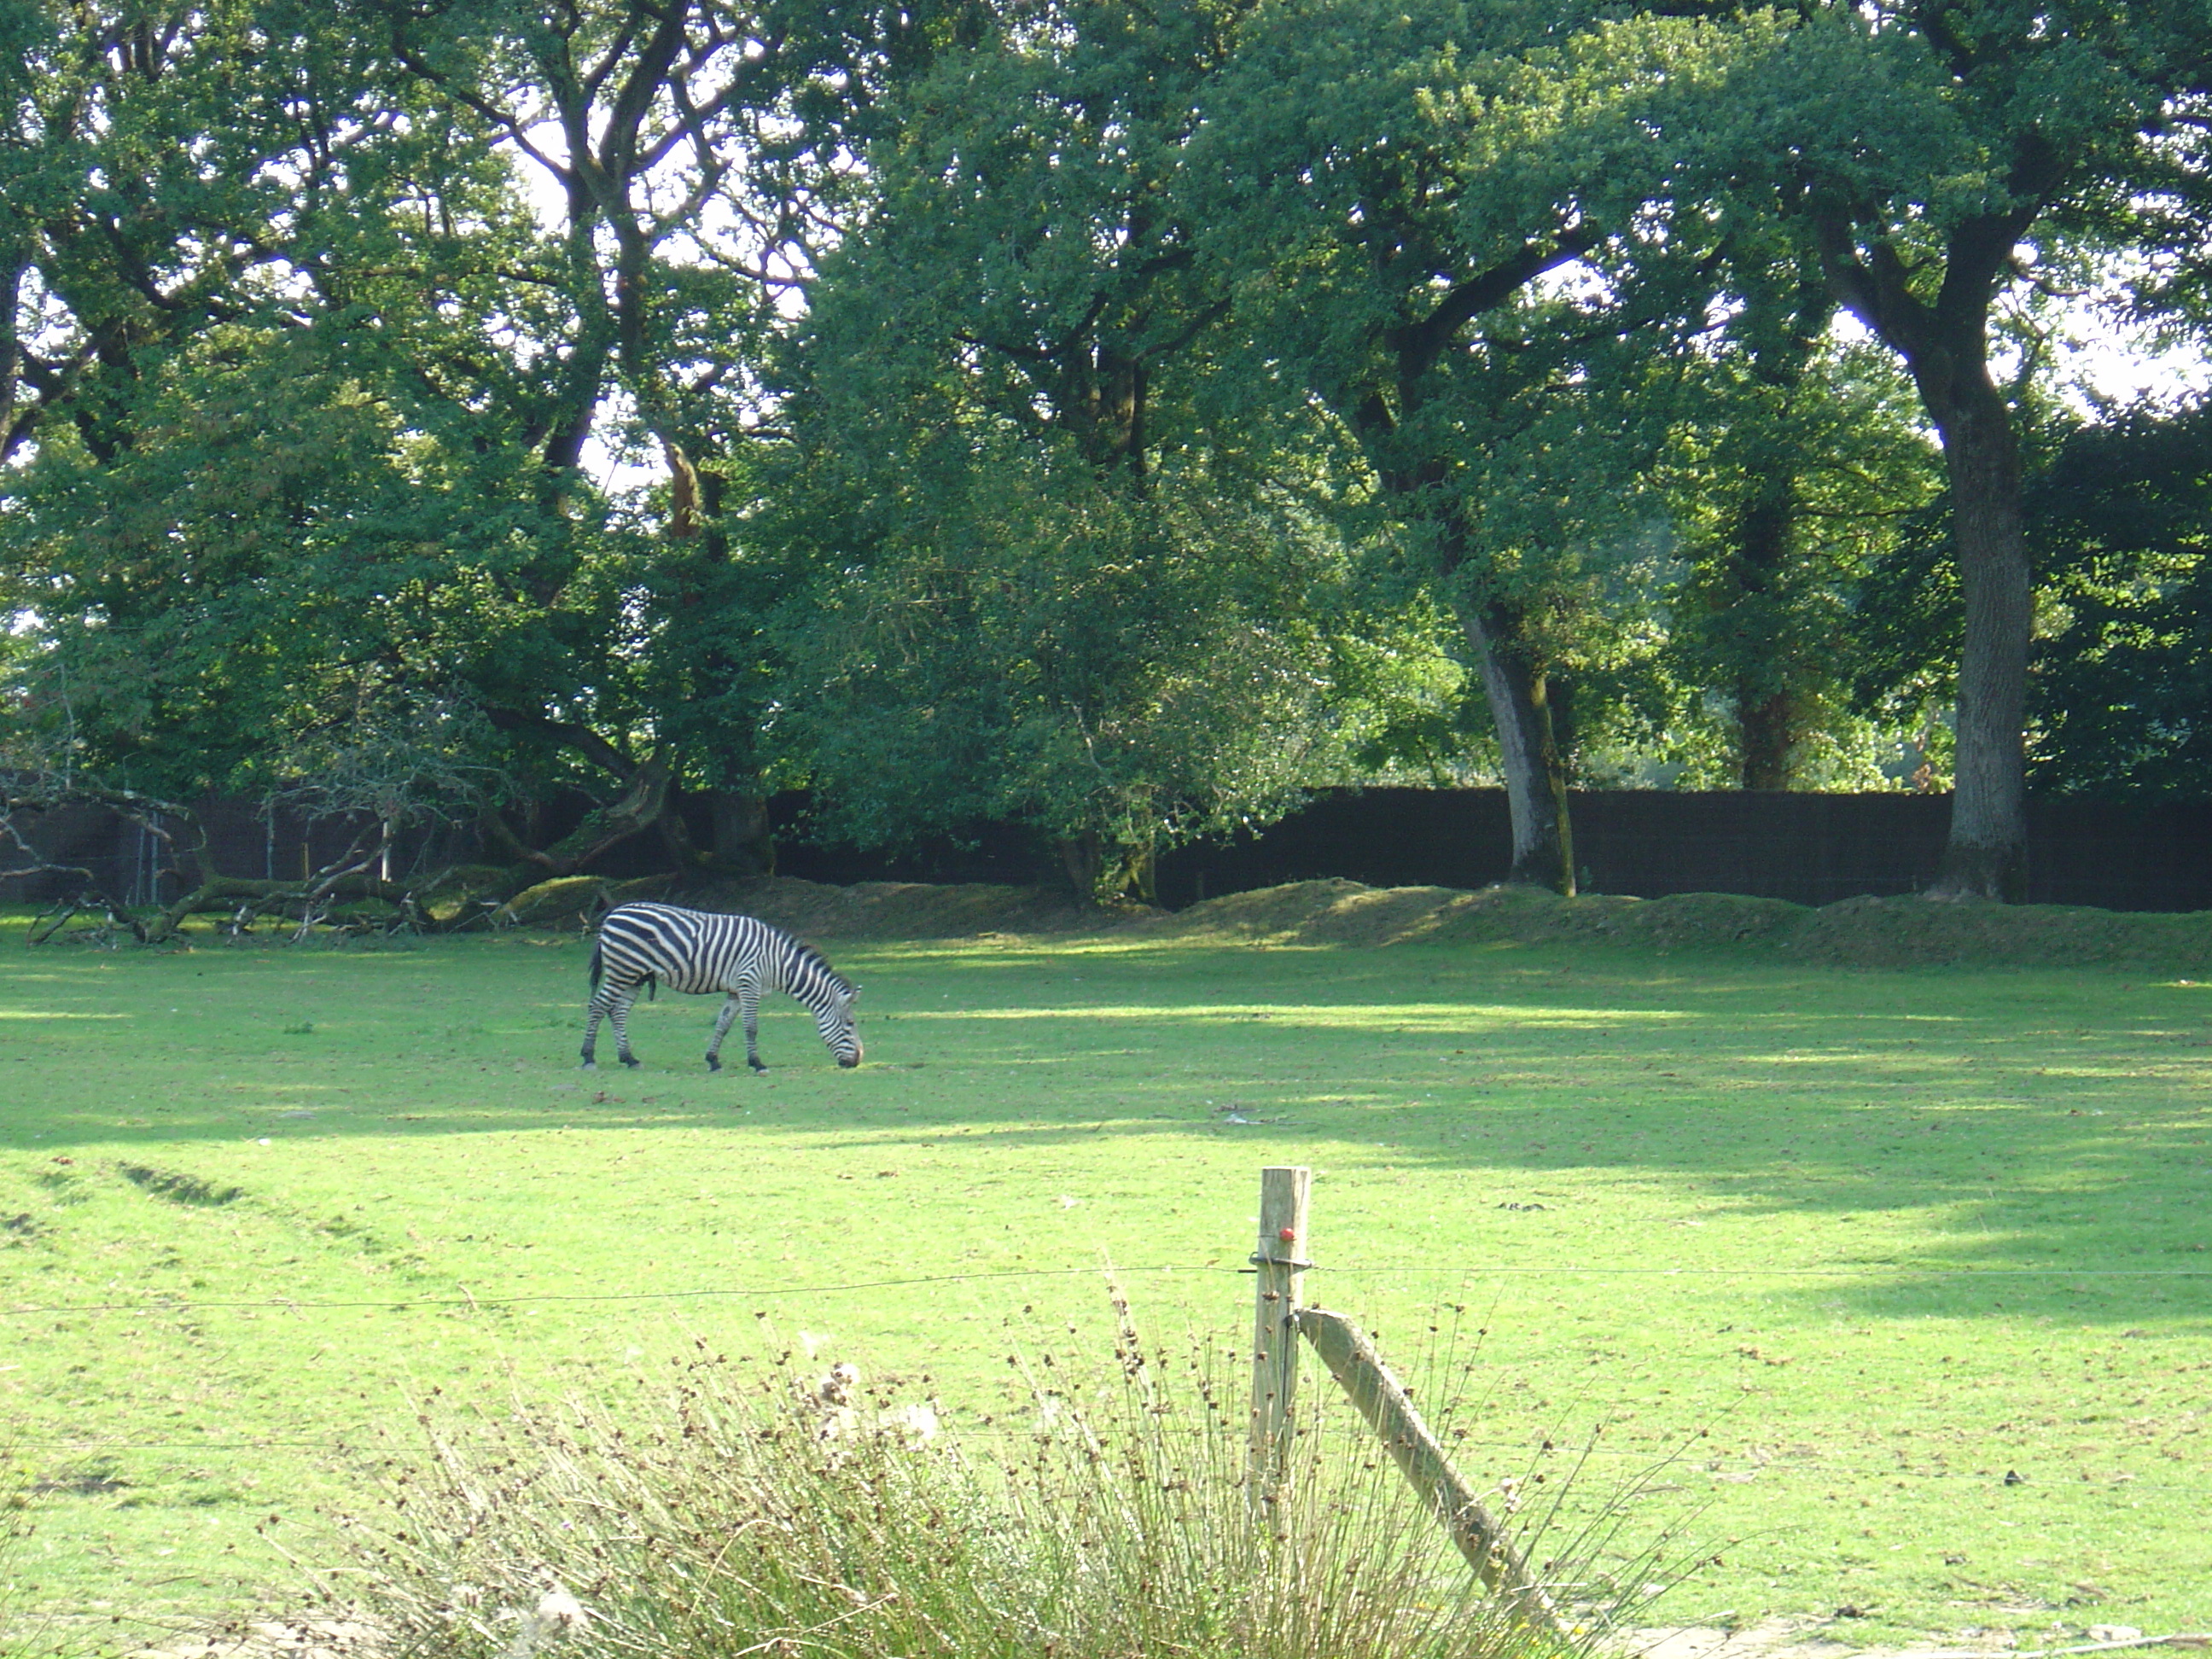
757	1065
713	1063
631	1064
589	1065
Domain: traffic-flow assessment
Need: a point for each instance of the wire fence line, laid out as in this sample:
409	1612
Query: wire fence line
493	1300
1402	1271
1775	1466
1682	1463
468	1299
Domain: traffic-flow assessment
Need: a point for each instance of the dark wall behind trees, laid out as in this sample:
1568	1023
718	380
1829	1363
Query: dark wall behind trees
1808	848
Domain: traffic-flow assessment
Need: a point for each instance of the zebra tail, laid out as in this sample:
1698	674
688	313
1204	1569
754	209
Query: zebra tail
599	967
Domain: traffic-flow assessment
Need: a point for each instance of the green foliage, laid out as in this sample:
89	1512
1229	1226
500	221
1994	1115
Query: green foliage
1452	228
302	499
336	464
1795	477
1114	419
275	559
1044	651
2121	521
1055	582
1942	159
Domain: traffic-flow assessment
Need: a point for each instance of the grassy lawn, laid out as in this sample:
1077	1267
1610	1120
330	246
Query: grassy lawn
1906	1273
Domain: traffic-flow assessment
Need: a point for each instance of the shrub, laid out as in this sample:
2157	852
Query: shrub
749	1511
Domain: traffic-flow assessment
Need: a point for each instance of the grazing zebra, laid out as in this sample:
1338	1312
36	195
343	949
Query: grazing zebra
700	951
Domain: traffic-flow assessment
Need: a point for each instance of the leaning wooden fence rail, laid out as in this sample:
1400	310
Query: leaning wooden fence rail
1280	1263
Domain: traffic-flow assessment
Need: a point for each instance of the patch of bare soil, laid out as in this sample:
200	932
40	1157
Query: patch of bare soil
1789	1638
1783	1637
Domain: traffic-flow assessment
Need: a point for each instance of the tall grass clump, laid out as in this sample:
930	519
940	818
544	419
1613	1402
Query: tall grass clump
748	1508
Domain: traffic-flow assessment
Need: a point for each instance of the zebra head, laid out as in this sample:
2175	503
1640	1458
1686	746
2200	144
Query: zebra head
834	1020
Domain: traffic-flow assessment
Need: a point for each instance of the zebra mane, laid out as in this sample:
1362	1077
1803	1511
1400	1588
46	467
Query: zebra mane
814	962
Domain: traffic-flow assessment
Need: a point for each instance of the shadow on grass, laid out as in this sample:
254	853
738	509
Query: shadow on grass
2053	1128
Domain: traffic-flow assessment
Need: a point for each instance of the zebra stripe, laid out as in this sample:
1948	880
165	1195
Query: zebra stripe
701	951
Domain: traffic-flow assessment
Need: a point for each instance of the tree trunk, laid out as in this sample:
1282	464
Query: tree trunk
1139	873
744	845
1946	346
1766	708
1986	856
1520	694
1767	730
1083	856
639	808
684	852
645	800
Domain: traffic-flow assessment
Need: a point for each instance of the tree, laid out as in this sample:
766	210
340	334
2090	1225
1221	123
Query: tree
1117	675
1447	224
2120	522
337	454
698	153
1941	153
230	439
1797	464
151	160
1053	590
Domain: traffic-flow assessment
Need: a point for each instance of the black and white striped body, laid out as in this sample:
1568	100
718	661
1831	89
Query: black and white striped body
703	952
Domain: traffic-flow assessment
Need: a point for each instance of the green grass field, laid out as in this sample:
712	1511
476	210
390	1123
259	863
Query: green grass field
1906	1273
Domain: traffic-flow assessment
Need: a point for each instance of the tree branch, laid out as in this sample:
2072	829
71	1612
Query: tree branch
1418	345
567	735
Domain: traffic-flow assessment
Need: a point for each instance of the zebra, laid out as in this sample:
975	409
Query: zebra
701	951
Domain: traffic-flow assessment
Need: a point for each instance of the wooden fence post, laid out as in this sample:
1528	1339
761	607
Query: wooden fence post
1388	1409
1280	1263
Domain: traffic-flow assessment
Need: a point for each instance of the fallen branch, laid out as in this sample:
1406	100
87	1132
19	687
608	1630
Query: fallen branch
85	896
67	909
341	868
224	892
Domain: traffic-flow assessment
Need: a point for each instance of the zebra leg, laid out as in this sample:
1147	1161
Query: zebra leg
593	1015
619	1014
749	1006
721	1030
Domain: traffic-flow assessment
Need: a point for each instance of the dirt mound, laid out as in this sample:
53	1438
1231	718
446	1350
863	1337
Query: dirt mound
1681	922
901	910
1708	920
1864	932
1897	932
1330	912
1346	913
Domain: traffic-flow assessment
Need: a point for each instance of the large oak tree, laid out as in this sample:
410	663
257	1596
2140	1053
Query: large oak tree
1942	154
